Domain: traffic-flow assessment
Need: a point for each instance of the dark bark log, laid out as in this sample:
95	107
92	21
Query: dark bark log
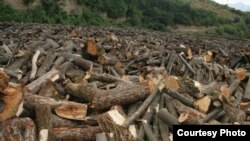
171	60
149	132
18	129
180	97
167	118
43	122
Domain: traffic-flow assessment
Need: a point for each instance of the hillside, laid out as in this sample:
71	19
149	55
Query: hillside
163	15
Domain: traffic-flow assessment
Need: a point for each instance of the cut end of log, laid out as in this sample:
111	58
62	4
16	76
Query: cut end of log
171	82
72	110
92	48
241	73
43	135
183	117
4	80
203	104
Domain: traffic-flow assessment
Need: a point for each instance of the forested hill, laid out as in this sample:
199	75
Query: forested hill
163	15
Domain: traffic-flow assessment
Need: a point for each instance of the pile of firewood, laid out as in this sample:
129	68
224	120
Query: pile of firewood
63	83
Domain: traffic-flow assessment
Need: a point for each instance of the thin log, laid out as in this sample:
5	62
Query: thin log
211	115
178	96
187	64
171	60
147	117
34	65
233	86
167	118
164	131
149	132
46	65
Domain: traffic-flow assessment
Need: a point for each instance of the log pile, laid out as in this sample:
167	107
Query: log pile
62	83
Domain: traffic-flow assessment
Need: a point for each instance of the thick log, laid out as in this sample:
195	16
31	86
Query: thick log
144	105
35	85
43	122
18	63
12	98
84	64
246	96
101	137
121	95
34	65
76	134
92	49
104	59
18	129
124	93
112	122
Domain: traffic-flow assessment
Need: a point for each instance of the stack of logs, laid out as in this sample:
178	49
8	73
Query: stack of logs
63	83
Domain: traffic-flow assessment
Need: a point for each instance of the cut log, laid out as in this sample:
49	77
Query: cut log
12	98
84	64
43	121
112	122
104	59
46	65
124	93
203	104
144	105
246	96
76	134
18	128
34	65
190	115
72	110
35	85
91	49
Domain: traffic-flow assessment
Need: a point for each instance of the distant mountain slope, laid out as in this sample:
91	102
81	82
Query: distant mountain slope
164	15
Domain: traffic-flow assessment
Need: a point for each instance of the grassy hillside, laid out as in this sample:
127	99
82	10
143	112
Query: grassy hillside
163	15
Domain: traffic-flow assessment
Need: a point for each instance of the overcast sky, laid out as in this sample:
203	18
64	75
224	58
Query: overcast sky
233	1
